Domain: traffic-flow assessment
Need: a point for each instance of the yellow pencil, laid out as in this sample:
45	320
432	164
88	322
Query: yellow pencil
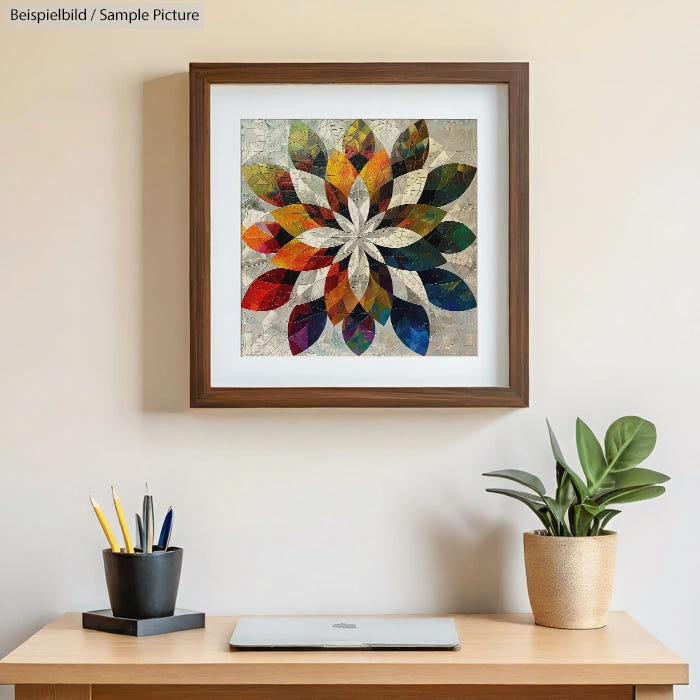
105	525
122	523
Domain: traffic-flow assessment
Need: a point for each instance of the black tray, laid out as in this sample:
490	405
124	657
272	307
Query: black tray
105	621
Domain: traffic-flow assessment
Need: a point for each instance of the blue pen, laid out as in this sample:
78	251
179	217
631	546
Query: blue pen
166	530
139	529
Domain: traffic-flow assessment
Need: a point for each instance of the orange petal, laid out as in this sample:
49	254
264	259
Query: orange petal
261	237
297	255
340	172
294	219
377	175
379	293
340	299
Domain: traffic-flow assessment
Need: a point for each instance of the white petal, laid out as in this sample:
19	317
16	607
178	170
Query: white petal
358	272
410	281
346	249
358	202
408	188
310	285
393	237
371	249
354	212
346	225
320	237
373	223
310	188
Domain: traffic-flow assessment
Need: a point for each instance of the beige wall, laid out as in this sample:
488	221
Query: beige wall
355	511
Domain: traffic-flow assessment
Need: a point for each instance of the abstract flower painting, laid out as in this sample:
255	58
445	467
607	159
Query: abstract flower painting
358	237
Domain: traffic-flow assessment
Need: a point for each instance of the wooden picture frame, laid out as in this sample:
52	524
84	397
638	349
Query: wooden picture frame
202	77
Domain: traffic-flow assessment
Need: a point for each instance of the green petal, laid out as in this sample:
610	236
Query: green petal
451	237
446	183
307	150
270	183
411	149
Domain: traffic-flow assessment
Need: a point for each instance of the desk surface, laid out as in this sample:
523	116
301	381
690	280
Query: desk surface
502	649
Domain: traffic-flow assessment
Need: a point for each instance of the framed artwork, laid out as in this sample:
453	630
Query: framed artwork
359	234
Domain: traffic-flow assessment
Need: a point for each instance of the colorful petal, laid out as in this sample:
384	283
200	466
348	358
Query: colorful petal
297	218
359	143
306	149
306	324
411	325
340	174
446	183
266	237
270	183
270	291
297	255
451	237
417	256
421	218
446	290
411	149
358	330
340	299
379	180
378	296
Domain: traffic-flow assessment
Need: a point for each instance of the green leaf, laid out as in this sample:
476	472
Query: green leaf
593	508
582	520
637	477
558	510
532	502
579	486
643	493
566	494
607	486
591	455
606	516
524	478
520	495
629	441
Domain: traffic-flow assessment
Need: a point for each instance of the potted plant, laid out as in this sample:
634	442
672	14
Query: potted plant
570	562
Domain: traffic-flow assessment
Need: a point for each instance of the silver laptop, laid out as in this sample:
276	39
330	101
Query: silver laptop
345	633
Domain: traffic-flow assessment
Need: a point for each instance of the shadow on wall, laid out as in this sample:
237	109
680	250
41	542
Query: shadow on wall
470	562
164	284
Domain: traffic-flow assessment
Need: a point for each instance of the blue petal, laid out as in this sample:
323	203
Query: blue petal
411	325
446	290
417	256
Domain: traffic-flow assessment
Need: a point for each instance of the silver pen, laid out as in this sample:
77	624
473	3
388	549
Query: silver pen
148	521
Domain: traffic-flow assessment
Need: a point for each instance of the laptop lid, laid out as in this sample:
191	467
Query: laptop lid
345	633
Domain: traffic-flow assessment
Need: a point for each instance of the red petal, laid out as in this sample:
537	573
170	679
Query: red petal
270	291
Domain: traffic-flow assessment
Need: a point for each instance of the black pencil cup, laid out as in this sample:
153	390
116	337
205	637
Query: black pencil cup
140	585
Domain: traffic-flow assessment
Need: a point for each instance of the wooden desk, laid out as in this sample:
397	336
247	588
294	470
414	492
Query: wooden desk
502	656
